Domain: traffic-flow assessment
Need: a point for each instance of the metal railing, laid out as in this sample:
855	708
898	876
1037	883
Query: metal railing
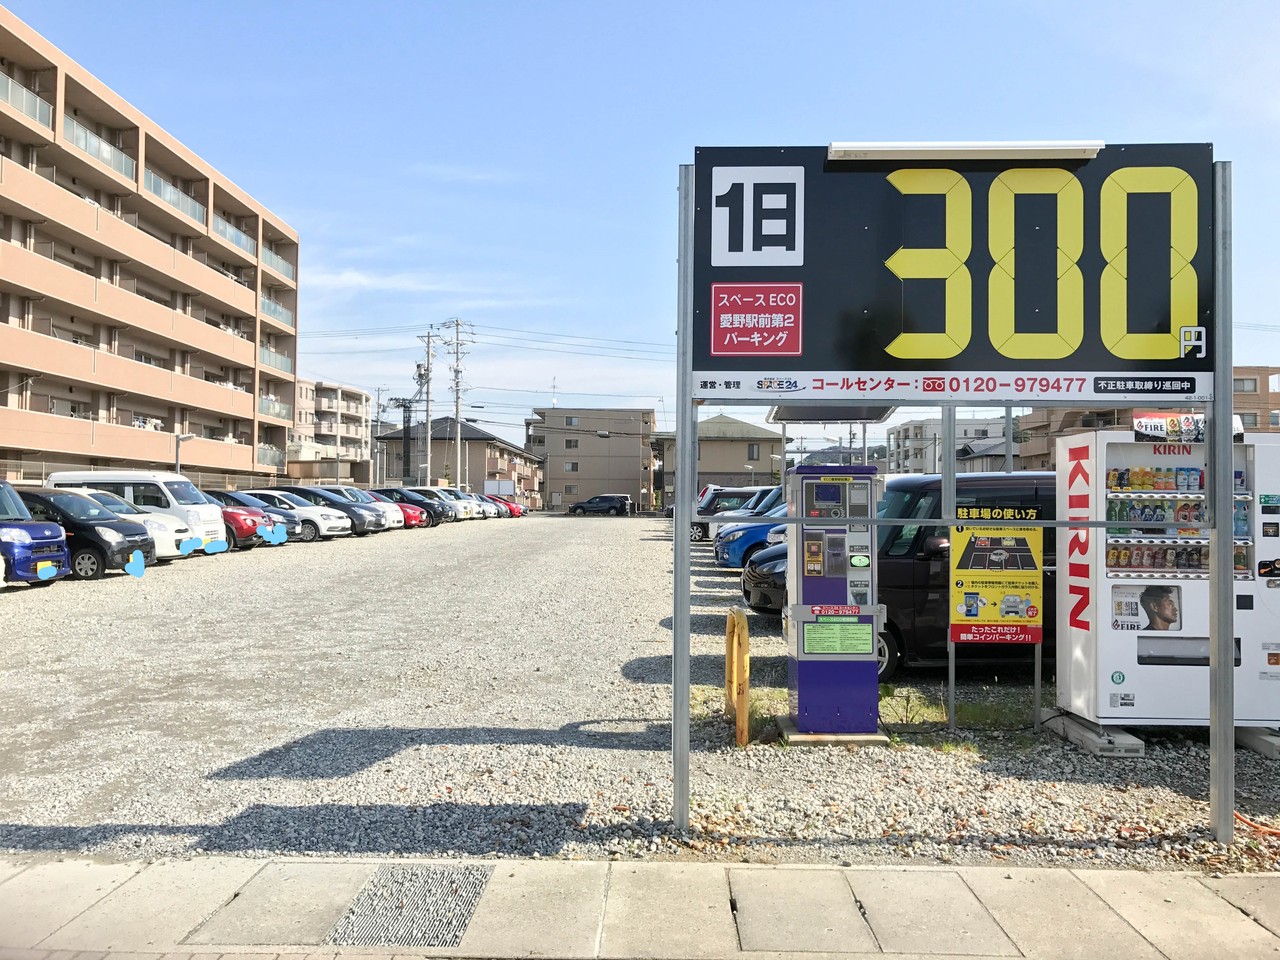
171	195
34	106
276	310
271	456
233	234
99	149
277	263
272	359
275	408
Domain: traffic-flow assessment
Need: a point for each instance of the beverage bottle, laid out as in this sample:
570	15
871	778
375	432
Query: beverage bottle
1240	521
1113	478
1240	561
1113	555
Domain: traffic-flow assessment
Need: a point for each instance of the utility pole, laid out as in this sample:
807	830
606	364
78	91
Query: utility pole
424	390
373	442
457	399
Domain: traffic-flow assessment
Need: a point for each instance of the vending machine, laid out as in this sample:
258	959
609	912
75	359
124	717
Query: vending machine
832	621
1133	628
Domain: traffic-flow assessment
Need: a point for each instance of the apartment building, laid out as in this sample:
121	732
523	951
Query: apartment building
916	446
332	435
1255	398
587	451
483	458
146	301
731	452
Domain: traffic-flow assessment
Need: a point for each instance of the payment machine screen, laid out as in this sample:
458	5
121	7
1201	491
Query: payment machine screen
826	494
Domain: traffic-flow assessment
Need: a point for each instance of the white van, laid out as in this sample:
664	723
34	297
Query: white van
155	492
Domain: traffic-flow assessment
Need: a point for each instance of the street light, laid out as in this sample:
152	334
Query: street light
753	473
839	442
177	449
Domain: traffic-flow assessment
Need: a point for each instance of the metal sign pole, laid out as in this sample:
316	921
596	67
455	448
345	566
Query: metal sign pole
1222	723
948	457
686	487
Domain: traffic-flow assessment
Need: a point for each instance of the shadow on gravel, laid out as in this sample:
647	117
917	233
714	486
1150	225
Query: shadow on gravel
704	622
344	752
438	828
704	668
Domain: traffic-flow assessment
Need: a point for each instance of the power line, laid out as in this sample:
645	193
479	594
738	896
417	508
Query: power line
502	337
356	332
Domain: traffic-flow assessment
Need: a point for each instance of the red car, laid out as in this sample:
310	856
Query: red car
242	525
413	516
517	509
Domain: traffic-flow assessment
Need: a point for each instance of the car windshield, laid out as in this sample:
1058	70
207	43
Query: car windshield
11	505
81	507
342	493
293	498
755	501
379	497
359	496
185	492
117	505
248	500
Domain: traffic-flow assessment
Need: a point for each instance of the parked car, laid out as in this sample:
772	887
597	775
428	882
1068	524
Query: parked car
393	514
760	504
609	504
275	515
471	508
736	543
435	508
29	547
365	518
152	491
488	511
716	500
913	567
517	509
458	509
97	539
166	530
626	499
316	522
413	516
241	524
504	508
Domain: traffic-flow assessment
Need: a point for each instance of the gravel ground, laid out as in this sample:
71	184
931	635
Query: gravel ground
501	688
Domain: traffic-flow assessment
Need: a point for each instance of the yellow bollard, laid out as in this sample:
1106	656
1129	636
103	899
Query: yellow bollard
737	673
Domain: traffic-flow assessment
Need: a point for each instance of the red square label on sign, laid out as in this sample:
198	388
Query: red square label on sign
755	319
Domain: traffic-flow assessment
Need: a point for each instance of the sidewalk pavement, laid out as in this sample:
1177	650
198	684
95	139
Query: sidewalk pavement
294	908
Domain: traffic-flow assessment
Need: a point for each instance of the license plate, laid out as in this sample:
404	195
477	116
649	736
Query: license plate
44	564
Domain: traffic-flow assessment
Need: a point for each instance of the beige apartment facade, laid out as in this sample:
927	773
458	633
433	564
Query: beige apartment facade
731	452
1255	398
146	302
483	462
332	435
588	451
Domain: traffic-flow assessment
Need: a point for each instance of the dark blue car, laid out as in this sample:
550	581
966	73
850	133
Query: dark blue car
29	548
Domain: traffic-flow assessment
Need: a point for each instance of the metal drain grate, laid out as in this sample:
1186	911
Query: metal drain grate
412	906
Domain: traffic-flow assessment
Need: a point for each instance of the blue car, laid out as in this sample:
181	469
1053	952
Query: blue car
28	547
736	542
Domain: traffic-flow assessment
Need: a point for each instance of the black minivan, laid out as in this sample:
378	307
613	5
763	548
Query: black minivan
913	566
97	539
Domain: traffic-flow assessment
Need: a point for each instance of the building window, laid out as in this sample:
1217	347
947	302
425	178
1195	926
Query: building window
570	421
1275	418
571	466
753	451
1249	419
1244	385
570	444
570	489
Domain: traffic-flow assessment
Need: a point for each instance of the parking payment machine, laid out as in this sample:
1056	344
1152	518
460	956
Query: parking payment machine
832	620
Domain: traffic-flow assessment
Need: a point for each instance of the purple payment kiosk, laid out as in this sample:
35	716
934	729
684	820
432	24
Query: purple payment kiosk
832	621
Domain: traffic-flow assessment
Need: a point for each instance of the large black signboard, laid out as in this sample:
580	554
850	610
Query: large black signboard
932	280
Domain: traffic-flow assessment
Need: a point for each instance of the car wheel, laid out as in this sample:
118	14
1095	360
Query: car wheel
612	511
87	564
888	655
751	552
310	532
579	512
697	533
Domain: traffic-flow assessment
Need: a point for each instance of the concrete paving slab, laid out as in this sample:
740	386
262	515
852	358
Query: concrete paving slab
1049	914
155	910
1182	917
798	911
11	868
1259	896
668	910
52	894
539	908
928	912
286	903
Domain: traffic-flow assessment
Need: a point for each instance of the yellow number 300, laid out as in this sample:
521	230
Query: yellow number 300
949	263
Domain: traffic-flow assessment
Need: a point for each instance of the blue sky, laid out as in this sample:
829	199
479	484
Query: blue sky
515	164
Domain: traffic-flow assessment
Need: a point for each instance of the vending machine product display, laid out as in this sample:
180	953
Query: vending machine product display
1133	634
832	622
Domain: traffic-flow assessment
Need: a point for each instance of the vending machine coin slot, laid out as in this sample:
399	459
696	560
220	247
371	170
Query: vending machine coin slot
814	548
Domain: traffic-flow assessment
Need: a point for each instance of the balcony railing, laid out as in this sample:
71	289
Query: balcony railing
35	107
272	359
277	263
171	195
99	149
233	234
270	456
274	408
276	310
